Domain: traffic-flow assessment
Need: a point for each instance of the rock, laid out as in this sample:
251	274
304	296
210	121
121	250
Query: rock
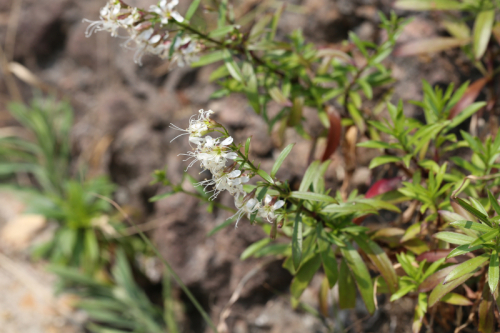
19	231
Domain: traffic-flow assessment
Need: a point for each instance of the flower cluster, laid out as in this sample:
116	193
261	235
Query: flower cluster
213	155
147	30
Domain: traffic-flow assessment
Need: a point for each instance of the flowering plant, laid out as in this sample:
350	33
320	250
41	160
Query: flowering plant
413	252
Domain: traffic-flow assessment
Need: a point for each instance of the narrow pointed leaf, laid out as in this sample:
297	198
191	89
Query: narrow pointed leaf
432	281
473	211
330	266
454	238
284	153
383	186
468	97
304	276
485	238
309	176
493	271
347	288
313	196
466	267
494	202
297	241
443	289
472	225
361	275
462	249
482	32
380	259
486	312
428	4
456	299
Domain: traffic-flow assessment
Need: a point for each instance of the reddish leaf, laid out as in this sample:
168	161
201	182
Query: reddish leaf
383	186
430	45
468	97
334	134
432	281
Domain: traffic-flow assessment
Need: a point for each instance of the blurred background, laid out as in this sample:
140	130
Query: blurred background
114	123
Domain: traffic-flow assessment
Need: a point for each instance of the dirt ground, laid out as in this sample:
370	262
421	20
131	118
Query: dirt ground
121	129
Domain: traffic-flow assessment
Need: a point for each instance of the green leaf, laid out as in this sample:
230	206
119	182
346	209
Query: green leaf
265	176
161	196
192	9
349	208
482	32
284	153
312	196
297	241
347	288
309	176
442	289
380	160
232	67
485	238
454	238
462	249
249	251
466	267
401	292
380	259
220	227
471	225
494	202
247	146
330	265
473	211
304	275
361	275
493	271
456	299
209	58
429	5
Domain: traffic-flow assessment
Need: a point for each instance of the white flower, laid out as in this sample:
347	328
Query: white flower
267	210
113	16
197	127
244	207
166	11
213	155
147	41
186	51
232	182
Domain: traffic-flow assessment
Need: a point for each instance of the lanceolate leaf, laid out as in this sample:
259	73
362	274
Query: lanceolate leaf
472	225
380	259
462	249
494	202
330	265
466	267
428	4
334	134
456	299
361	275
304	275
454	238
309	176
482	31
443	289
297	241
473	211
313	196
437	278
468	97
281	158
486	237
486	314
347	288
493	271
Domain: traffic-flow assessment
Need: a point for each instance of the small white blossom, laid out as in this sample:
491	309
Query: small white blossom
186	51
213	155
197	127
267	210
244	207
166	10
112	17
